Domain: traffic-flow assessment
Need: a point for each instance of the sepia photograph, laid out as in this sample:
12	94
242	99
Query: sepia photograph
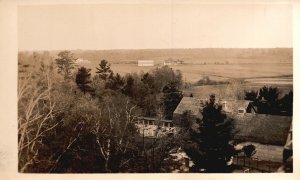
156	87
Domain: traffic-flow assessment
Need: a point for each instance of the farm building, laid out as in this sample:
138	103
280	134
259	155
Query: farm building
145	63
170	62
194	105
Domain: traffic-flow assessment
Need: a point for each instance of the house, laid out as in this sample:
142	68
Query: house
195	105
145	63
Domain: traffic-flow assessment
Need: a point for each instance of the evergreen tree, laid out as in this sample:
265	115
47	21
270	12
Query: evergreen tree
286	104
104	70
115	82
147	95
268	100
83	80
209	146
251	96
128	88
171	98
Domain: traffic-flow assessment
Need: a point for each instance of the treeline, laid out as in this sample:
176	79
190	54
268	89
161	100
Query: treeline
207	81
268	101
71	121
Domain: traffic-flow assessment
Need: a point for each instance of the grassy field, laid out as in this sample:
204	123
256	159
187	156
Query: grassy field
194	72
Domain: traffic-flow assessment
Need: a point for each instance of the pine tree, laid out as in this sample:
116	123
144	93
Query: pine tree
209	146
171	98
83	80
115	82
128	88
104	70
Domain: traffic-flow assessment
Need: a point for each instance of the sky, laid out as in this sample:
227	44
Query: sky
153	26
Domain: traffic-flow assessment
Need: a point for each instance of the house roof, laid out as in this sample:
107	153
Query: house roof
195	105
191	104
261	128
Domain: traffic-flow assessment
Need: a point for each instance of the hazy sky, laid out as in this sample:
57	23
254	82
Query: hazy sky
140	26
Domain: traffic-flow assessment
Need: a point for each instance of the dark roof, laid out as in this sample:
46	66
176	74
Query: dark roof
261	128
195	105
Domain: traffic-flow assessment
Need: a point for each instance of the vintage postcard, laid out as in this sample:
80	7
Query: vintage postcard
168	87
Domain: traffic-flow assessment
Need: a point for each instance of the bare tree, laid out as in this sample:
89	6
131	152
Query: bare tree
113	131
35	118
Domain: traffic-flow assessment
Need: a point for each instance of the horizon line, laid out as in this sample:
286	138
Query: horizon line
133	49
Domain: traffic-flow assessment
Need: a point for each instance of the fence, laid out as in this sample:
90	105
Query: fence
255	164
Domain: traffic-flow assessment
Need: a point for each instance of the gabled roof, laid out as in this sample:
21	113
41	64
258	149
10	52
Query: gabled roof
261	128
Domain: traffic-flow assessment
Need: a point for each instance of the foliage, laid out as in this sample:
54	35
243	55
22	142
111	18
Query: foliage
129	86
267	101
207	81
65	63
37	114
249	150
286	104
62	128
171	98
83	80
115	83
251	95
208	146
104	71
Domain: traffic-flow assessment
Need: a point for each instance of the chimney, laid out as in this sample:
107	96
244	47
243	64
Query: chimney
224	105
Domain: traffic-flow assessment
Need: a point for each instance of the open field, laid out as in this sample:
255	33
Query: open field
194	72
217	63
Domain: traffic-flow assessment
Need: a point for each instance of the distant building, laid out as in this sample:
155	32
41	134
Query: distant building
145	63
171	62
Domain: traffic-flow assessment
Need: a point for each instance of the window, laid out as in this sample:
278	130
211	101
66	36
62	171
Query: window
241	110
